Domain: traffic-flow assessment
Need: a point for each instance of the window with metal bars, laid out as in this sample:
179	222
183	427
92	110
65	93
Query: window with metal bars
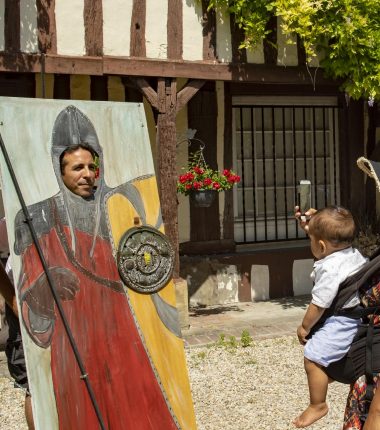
276	144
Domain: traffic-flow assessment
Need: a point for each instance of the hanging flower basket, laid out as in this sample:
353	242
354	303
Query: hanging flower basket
202	183
203	198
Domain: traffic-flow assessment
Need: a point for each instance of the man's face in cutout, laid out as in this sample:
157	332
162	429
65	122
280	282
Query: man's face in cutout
78	172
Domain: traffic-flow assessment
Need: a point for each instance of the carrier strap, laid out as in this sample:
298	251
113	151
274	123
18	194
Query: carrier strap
368	362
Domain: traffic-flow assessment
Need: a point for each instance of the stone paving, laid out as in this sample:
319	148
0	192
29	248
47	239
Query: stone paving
263	320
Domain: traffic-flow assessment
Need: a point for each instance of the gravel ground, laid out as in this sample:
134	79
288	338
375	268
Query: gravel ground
260	387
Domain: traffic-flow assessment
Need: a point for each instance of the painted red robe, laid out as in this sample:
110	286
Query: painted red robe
100	318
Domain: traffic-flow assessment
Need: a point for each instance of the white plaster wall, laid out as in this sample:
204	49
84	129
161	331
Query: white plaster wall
256	54
192	30
302	283
156	29
259	282
286	48
2	8
117	17
70	27
228	284
28	26
223	37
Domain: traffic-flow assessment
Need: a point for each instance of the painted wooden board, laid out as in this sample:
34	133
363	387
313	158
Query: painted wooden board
129	341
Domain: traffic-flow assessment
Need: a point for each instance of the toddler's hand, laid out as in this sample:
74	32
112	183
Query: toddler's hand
302	333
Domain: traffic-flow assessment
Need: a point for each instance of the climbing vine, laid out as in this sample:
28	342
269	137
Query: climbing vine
344	33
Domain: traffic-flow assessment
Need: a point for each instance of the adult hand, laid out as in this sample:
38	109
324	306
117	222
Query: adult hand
304	218
301	334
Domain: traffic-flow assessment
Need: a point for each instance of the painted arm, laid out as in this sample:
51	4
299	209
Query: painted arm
38	306
312	316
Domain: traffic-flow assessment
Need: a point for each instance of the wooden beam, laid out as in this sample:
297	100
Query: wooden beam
167	168
270	42
93	27
174	29
147	91
247	72
208	32
228	213
47	33
126	66
188	92
237	37
12	25
137	47
73	65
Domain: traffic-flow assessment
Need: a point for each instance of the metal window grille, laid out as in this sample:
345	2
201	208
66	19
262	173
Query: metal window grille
275	147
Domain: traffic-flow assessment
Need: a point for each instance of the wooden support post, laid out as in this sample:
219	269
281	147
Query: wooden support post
166	145
167	103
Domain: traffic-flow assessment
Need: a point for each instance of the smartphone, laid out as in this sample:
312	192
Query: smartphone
304	195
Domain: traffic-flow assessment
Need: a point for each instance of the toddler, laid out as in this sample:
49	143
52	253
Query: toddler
331	231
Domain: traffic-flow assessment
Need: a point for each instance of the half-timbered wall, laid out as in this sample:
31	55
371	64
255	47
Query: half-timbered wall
90	49
112	35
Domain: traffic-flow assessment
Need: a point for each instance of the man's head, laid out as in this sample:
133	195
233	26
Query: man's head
330	229
78	169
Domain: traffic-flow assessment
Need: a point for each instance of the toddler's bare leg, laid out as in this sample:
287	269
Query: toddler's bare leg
318	382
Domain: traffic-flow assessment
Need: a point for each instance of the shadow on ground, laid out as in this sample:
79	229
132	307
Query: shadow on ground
213	310
293	302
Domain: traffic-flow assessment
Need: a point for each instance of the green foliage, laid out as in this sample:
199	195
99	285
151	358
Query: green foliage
246	339
230	343
250	15
345	32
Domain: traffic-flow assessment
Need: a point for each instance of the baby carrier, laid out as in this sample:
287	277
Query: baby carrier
363	357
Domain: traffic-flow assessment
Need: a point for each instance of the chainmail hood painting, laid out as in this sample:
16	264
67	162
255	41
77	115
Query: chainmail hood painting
94	289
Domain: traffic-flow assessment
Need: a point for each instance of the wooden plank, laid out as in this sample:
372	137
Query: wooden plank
138	43
12	25
188	92
99	88
228	213
147	90
209	32
175	29
93	27
47	33
62	87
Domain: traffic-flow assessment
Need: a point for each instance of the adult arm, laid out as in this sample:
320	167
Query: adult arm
373	420
312	316
7	290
